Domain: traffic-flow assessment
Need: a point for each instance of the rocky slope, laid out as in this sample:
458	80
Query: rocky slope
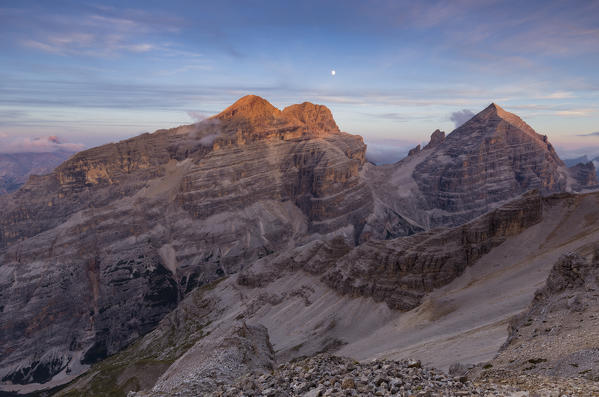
564	315
15	168
465	320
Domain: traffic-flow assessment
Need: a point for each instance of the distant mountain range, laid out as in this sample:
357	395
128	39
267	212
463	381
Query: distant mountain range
15	168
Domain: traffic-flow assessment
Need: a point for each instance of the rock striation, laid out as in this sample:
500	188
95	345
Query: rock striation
401	271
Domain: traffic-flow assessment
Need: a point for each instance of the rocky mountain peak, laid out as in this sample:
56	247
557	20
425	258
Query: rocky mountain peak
257	116
316	117
250	109
489	121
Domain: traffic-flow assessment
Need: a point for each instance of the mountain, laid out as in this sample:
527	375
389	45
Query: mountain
121	247
109	243
489	159
576	160
15	168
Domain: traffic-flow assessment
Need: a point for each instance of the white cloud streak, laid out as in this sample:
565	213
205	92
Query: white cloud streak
36	145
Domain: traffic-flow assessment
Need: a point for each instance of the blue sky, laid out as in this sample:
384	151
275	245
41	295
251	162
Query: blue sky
95	72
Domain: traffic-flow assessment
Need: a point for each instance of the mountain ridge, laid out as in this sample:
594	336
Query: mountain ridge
117	236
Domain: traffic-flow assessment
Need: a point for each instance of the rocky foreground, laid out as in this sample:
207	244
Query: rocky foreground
326	375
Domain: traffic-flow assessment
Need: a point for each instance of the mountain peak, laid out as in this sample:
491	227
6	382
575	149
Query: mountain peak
256	114
495	107
250	109
494	114
315	117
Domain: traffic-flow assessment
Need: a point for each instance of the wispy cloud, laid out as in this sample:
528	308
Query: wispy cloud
596	133
97	33
557	95
36	145
197	116
574	112
461	116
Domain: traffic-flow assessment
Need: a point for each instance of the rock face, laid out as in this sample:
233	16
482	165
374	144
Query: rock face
402	270
15	168
584	174
491	158
105	246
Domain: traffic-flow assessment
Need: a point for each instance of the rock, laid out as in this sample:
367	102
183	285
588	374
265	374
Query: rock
414	364
348	383
219	359
584	174
563	314
418	379
490	159
437	137
414	151
400	271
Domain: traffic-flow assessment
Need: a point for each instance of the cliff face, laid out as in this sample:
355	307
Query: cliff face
493	157
101	249
401	271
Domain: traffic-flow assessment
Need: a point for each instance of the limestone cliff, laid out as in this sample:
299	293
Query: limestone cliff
93	255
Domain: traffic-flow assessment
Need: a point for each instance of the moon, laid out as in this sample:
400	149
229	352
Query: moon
333	72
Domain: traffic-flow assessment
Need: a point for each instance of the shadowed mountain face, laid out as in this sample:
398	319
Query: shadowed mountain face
95	254
15	168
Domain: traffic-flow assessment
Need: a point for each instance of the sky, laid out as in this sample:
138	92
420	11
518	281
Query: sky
76	74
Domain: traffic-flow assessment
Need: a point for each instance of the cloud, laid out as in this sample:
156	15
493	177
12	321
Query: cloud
596	133
208	140
37	145
98	33
461	116
196	116
557	95
573	112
